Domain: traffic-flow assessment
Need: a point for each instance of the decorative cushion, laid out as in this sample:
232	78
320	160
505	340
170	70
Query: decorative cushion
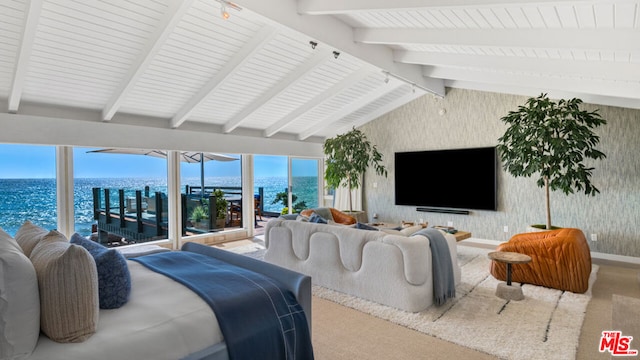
315	218
362	226
114	280
68	284
302	218
19	301
410	230
29	235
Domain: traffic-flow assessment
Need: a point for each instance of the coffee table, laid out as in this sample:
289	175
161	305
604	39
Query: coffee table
506	290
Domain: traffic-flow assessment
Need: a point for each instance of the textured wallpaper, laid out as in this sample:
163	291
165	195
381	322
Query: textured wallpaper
466	118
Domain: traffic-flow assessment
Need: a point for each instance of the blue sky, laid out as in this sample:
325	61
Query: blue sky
25	161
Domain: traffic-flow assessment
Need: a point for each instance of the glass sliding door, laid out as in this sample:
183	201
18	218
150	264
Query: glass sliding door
304	175
289	184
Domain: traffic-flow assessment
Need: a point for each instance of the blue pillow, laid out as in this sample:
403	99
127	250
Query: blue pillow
315	218
114	280
365	227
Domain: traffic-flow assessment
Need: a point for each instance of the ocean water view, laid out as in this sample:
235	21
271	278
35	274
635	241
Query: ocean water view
35	199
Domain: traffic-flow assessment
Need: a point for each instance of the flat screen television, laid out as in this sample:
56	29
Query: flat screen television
453	178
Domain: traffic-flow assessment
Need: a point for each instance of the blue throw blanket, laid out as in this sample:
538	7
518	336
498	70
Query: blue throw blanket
258	318
444	284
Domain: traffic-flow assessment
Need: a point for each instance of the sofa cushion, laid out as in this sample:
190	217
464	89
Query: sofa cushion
29	235
19	301
114	280
68	285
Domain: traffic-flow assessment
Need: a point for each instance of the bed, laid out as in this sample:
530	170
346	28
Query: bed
163	319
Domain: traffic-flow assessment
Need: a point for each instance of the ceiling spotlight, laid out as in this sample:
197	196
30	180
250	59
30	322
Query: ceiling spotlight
223	11
386	78
336	54
313	44
223	8
413	88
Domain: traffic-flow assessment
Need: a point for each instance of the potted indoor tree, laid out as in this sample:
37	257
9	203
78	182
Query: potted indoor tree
347	157
552	140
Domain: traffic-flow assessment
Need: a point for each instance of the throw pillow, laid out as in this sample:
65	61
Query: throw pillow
324	212
362	226
410	230
29	235
114	280
19	301
302	218
68	284
315	218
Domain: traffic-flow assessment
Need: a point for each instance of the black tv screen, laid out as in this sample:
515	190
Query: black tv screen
456	178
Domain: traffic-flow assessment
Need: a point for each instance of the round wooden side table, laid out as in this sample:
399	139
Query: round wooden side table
507	291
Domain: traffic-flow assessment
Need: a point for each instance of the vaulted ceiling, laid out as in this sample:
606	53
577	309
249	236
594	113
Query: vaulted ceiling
306	69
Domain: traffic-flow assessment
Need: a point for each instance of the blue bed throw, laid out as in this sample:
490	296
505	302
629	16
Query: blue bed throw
258	319
444	284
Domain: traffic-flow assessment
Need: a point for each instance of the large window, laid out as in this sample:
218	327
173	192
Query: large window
27	186
113	172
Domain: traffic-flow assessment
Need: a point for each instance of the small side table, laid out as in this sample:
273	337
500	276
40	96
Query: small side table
506	291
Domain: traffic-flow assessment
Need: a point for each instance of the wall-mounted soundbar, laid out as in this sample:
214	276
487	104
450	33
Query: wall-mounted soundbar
445	211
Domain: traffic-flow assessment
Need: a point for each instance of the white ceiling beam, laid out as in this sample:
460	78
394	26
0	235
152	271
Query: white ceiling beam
332	7
347	82
24	54
237	61
410	96
312	63
33	129
339	36
601	39
622	71
363	101
175	12
606	88
553	94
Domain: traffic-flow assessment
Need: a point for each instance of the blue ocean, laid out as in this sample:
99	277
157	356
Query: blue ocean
35	199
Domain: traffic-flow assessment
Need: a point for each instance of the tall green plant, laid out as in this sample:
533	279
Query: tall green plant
552	139
347	157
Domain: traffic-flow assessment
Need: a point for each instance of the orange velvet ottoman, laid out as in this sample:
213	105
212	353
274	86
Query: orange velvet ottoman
560	259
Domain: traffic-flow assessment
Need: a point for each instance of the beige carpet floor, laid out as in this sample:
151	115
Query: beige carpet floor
343	333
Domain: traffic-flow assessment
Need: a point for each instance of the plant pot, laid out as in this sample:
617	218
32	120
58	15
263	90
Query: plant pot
361	216
220	223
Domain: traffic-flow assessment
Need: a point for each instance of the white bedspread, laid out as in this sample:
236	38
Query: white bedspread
162	320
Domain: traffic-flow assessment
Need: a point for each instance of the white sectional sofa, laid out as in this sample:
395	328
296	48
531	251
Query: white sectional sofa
394	270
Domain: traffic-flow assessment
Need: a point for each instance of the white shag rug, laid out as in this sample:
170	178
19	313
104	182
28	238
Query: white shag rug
546	324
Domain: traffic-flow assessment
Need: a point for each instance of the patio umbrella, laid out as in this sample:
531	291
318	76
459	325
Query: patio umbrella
185	156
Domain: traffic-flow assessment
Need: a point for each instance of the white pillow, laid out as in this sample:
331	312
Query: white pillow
408	231
19	301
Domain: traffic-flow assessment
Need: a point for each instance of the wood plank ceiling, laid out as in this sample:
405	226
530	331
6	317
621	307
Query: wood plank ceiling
176	63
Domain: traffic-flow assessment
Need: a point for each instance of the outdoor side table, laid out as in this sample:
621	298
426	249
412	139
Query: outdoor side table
506	290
